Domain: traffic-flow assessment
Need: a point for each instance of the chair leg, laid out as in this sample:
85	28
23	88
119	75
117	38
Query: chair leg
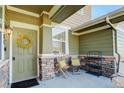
63	73
76	70
67	72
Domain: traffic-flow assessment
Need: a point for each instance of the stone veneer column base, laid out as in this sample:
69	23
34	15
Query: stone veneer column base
4	74
46	68
108	66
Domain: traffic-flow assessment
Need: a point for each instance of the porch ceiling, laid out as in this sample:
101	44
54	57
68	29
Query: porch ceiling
115	17
57	13
65	11
35	8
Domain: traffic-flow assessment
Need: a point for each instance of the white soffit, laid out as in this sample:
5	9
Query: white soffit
54	10
78	18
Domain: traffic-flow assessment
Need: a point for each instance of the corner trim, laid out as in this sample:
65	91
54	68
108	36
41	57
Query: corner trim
3	24
44	12
67	42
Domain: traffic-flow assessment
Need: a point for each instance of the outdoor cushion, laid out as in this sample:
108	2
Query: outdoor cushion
62	64
75	62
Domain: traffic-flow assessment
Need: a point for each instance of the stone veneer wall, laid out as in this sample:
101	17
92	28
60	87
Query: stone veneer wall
108	65
47	65
4	74
46	68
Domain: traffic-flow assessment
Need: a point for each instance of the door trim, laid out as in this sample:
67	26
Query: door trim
25	26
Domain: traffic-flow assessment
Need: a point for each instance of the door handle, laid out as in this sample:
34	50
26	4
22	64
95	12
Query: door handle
13	58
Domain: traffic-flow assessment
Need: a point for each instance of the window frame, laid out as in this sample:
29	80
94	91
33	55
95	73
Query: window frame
53	40
63	41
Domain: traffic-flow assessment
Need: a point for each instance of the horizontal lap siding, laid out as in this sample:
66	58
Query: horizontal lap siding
19	17
73	44
0	12
120	42
0	31
0	44
97	41
45	38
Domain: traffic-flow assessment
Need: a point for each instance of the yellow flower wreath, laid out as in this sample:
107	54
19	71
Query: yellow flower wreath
20	39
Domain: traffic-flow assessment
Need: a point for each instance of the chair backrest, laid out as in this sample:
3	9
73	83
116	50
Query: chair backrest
68	60
62	64
75	62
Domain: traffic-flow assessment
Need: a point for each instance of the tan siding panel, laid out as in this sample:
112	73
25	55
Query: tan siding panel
11	15
97	41
47	40
120	42
73	44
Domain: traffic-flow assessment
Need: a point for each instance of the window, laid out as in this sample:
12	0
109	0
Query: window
59	40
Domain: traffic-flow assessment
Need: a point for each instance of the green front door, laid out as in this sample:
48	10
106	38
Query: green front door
24	64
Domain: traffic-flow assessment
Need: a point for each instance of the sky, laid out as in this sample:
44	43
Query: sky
100	10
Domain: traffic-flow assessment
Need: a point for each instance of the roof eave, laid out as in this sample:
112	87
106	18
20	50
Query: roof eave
112	15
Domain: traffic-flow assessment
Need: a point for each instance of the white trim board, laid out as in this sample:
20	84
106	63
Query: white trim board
2	34
23	11
92	30
3	18
67	42
58	40
26	26
44	12
23	25
38	52
10	59
45	25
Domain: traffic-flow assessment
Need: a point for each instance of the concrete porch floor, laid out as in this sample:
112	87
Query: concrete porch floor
84	80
